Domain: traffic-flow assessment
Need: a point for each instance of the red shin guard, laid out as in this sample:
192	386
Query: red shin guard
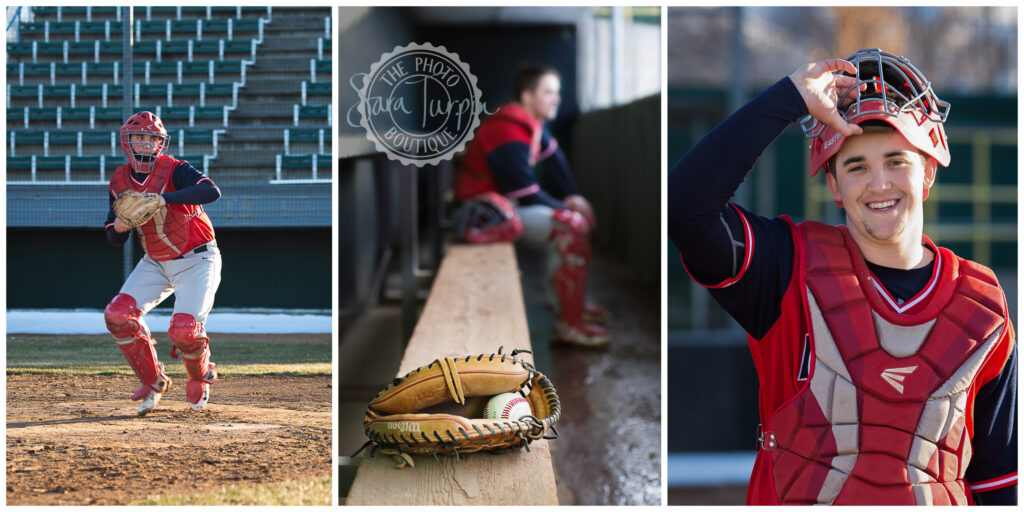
141	356
569	280
190	341
122	318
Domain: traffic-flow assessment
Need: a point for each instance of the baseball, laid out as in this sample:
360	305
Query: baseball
507	406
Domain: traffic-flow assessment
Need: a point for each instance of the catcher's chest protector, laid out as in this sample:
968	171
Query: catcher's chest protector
511	123
882	419
175	229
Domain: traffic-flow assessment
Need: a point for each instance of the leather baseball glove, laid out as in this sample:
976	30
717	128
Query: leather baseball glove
136	208
408	416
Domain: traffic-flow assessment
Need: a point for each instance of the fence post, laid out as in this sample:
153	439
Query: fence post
126	107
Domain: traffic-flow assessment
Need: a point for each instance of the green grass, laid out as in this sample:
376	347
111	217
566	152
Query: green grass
313	492
236	354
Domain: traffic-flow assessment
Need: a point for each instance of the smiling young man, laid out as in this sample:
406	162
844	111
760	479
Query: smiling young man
887	365
500	161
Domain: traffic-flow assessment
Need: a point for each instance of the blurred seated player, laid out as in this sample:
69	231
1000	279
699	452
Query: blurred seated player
499	162
181	258
887	364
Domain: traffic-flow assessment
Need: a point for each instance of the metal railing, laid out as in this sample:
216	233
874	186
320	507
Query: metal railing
14	23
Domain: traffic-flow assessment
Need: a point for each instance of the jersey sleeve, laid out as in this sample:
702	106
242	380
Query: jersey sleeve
559	174
511	170
192	186
753	297
745	259
116	239
992	473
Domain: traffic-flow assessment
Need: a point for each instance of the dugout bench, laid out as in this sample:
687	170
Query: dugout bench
475	306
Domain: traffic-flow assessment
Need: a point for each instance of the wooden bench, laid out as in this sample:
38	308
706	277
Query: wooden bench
476	304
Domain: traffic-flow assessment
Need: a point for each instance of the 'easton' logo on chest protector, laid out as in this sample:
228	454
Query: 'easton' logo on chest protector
893	377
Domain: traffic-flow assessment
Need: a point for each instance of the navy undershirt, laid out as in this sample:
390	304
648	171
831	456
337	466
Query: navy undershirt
699	189
193	187
511	170
902	284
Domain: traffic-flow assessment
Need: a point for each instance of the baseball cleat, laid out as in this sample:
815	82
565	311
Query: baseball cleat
149	402
162	384
585	335
198	391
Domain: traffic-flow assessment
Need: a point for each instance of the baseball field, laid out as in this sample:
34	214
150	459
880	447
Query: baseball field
73	437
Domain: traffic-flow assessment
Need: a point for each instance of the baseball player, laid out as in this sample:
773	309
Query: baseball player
501	158
181	258
887	364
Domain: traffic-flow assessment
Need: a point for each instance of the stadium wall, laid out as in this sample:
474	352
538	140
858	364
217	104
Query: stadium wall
263	268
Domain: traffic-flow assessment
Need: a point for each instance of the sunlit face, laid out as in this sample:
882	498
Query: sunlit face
542	102
880	180
144	143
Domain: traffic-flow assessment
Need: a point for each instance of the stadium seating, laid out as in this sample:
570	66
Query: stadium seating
25	142
302	168
321	66
306	140
322	90
191	66
312	114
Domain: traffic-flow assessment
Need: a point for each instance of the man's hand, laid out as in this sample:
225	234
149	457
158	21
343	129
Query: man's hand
121	227
820	90
580	205
134	208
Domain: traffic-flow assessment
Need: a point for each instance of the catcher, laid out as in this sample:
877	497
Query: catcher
887	364
160	197
500	160
431	410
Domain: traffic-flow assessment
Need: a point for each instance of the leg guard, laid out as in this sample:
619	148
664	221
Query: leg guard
571	235
569	280
190	340
122	317
125	324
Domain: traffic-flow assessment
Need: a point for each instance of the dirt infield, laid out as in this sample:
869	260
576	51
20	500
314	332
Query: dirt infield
75	440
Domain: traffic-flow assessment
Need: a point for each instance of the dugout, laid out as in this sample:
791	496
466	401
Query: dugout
495	41
400	222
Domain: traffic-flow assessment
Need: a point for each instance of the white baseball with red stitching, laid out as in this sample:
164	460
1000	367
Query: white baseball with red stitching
507	406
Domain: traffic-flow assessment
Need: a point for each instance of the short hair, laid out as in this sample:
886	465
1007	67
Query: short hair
870	125
528	77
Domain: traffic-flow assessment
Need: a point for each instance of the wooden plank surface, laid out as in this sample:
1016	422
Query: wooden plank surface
475	306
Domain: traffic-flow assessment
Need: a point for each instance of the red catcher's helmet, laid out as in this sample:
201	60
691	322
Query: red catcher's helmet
148	124
896	93
489	218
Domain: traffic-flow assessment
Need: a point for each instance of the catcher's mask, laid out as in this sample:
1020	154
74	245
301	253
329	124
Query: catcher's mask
489	218
895	93
148	125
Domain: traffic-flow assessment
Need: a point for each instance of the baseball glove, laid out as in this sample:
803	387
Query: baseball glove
398	424
136	208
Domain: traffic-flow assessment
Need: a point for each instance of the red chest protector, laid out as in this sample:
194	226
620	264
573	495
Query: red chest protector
174	230
881	420
511	123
